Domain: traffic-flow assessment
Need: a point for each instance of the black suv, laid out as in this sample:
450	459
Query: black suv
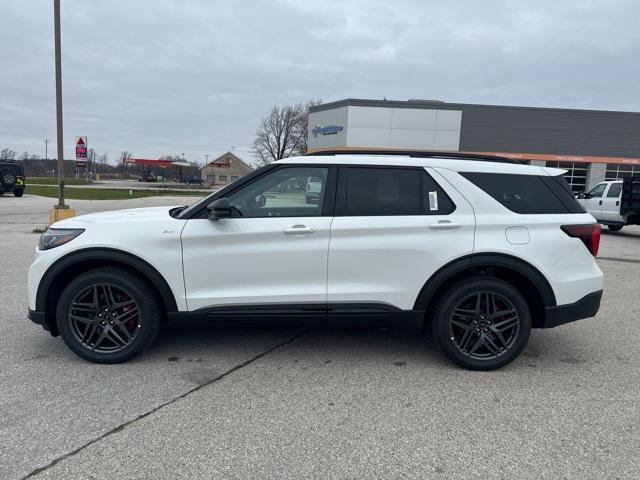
11	177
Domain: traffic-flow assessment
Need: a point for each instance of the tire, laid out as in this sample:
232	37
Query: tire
481	345
615	228
18	192
103	339
8	179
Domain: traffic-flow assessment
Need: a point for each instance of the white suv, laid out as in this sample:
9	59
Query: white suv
480	249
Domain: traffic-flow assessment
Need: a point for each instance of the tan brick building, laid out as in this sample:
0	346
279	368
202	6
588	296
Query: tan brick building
225	169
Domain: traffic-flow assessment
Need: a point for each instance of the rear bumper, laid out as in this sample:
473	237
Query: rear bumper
586	307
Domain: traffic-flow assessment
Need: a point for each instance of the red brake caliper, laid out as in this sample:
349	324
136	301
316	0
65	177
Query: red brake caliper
132	322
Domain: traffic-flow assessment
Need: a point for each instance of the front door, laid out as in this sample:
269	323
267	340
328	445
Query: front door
272	251
611	203
593	200
394	228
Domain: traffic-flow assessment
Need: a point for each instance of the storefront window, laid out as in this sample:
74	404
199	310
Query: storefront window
616	171
576	173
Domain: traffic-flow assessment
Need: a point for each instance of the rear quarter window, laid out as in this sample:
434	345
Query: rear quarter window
527	194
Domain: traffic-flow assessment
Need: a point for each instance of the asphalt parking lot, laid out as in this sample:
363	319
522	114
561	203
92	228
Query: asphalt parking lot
252	403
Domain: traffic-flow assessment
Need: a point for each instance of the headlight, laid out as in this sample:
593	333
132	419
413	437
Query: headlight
54	237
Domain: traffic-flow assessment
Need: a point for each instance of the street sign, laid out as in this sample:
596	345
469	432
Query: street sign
81	148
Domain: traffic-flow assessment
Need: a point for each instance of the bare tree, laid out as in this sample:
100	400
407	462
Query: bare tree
7	154
282	132
304	126
125	156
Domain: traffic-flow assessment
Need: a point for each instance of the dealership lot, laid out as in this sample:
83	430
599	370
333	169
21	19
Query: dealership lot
292	404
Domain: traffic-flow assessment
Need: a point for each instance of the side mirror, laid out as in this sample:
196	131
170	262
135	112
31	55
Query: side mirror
580	195
219	208
587	195
261	201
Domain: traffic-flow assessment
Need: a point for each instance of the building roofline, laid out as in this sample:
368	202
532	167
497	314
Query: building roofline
439	105
228	152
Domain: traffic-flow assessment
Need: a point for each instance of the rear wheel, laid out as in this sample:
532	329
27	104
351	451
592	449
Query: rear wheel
108	315
482	323
615	228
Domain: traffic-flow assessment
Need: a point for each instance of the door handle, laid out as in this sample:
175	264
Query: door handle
444	225
617	203
298	229
600	202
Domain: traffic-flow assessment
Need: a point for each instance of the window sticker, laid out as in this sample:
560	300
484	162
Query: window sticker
433	200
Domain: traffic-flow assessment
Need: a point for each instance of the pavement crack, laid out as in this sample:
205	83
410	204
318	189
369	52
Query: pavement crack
616	259
159	407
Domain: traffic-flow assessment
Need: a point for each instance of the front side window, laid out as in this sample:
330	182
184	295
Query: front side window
282	193
614	190
598	190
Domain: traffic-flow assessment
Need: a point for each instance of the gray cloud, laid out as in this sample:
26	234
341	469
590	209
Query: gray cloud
166	77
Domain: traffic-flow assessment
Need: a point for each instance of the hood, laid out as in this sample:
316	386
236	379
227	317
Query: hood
119	216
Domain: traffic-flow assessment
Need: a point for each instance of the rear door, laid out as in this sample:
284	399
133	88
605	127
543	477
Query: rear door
611	203
394	227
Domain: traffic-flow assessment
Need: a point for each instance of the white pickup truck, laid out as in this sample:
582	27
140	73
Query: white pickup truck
614	203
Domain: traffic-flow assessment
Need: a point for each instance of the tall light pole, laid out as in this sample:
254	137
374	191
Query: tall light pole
59	137
46	151
59	211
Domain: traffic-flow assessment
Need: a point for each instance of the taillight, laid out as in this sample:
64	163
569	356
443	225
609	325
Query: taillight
589	234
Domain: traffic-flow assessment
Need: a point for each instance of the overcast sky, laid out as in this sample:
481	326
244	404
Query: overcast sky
160	77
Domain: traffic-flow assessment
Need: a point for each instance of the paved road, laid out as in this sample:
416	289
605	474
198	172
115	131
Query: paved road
257	403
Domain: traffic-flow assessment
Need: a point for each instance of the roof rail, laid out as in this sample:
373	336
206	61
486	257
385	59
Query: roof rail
416	154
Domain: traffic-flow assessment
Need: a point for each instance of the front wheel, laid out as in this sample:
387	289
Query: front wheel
615	228
18	192
482	323
108	315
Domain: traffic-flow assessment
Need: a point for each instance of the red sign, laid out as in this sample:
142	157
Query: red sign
81	148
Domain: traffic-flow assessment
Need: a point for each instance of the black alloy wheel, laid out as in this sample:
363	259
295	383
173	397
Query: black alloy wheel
482	323
108	315
615	228
104	317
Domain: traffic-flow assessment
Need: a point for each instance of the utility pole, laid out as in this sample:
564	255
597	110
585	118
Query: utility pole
60	144
46	145
206	159
59	211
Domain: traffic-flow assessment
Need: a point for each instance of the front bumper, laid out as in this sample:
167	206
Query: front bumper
39	318
586	307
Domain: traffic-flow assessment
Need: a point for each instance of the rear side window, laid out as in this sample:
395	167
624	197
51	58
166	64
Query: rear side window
382	191
370	191
527	194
